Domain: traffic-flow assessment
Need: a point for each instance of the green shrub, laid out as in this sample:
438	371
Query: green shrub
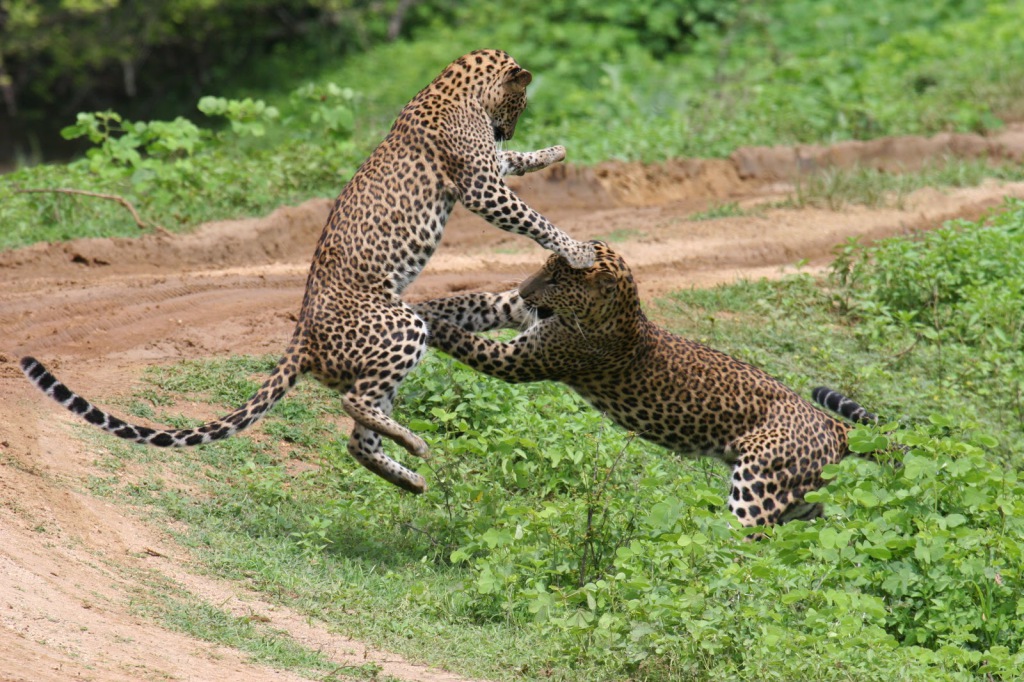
956	295
176	173
552	544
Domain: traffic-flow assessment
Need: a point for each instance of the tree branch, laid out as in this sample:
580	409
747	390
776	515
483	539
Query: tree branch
398	18
112	197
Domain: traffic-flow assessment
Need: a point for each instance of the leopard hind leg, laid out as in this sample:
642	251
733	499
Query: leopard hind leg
372	414
770	476
365	446
371	396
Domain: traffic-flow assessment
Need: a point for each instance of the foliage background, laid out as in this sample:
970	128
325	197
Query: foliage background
316	84
832	65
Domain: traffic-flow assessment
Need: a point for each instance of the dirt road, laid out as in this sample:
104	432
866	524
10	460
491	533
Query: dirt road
100	311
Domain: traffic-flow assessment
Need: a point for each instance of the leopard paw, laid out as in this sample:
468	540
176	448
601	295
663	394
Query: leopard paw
552	155
418	447
580	255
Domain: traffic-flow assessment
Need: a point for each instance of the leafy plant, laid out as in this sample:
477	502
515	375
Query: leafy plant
612	81
555	541
177	173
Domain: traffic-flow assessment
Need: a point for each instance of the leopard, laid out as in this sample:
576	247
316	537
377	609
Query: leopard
354	333
585	328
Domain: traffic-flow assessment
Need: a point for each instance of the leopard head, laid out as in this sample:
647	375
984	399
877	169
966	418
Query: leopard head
497	81
602	293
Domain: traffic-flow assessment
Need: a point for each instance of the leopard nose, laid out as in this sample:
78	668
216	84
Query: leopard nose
533	283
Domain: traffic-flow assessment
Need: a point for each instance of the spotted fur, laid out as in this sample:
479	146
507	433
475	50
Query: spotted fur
586	329
354	334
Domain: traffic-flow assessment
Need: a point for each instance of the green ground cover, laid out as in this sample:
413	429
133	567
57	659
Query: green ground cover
553	545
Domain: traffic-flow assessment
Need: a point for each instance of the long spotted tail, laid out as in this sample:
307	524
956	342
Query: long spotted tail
281	379
841	405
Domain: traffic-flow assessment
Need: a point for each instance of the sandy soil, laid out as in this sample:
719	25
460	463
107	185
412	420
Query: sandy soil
100	311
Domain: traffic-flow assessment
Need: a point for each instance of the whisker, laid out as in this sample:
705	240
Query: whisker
579	327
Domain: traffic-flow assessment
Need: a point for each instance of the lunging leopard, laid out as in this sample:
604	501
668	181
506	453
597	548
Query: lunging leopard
354	333
586	328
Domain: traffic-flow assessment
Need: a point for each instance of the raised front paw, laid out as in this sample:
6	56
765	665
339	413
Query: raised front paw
550	155
580	255
520	163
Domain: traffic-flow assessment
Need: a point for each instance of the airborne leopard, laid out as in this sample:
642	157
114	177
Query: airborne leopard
585	328
354	333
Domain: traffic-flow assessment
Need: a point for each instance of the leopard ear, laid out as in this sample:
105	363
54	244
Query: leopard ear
518	80
605	282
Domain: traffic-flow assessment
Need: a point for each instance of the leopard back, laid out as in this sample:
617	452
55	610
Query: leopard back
389	219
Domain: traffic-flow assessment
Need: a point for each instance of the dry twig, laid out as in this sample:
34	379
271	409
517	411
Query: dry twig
112	197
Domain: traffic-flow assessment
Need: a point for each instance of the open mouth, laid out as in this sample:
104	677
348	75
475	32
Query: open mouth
539	312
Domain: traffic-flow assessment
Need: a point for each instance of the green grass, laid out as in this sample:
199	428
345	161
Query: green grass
729	209
835	189
263	643
771	73
553	545
159	599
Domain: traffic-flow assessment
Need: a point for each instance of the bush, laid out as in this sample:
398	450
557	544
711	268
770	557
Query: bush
177	173
956	293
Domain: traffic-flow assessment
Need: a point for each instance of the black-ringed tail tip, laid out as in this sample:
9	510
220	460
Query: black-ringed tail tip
207	433
840	404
